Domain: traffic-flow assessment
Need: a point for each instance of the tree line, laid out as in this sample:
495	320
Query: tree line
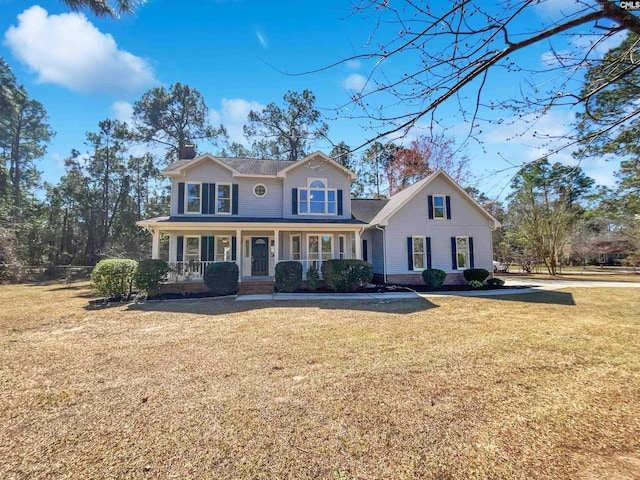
554	212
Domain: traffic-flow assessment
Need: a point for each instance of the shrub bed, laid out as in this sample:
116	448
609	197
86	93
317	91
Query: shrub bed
346	275
150	274
434	277
222	278
288	276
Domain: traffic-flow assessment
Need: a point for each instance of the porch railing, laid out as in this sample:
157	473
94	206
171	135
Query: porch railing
194	270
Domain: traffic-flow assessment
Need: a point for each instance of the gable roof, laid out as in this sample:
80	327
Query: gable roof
237	166
240	167
397	201
316	156
366	209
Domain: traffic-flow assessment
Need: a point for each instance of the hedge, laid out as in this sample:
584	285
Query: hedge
433	277
346	275
288	276
150	274
477	274
222	278
114	277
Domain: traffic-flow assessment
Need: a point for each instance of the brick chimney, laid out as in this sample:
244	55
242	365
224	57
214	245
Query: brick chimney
188	152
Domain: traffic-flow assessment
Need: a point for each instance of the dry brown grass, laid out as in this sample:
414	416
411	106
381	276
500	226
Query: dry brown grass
543	385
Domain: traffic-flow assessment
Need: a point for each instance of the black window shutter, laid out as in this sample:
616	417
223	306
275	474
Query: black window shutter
205	198
234	248
447	200
294	201
212	198
180	198
365	252
430	206
339	202
472	262
454	255
429	252
410	253
210	242
204	249
234	199
179	248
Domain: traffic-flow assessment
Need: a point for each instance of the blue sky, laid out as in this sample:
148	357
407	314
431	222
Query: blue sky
85	69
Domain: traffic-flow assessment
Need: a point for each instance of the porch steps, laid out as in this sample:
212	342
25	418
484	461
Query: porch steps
255	288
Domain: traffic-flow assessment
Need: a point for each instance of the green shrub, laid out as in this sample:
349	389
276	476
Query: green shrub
346	275
150	274
114	277
475	284
495	282
288	276
222	278
477	274
433	277
313	277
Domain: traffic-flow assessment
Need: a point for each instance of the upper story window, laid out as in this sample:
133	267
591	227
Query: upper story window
260	190
439	206
223	198
193	193
317	199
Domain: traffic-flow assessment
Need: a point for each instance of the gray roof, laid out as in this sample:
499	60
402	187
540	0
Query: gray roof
365	209
237	219
399	199
251	166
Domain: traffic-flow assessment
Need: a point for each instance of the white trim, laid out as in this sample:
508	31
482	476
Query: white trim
179	171
444	206
467	256
184	247
186	198
204	226
342	254
382	218
291	252
260	185
326	200
230	185
310	180
305	161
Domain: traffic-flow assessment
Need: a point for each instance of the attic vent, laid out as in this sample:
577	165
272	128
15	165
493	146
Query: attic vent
188	152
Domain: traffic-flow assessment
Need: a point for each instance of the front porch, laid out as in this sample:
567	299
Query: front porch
256	247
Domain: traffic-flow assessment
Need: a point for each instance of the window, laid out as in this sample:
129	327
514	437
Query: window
419	262
223	197
223	249
320	247
342	240
296	250
191	249
193	197
260	190
462	252
353	245
317	199
439	206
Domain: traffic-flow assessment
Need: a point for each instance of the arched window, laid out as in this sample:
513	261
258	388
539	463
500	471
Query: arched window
317	199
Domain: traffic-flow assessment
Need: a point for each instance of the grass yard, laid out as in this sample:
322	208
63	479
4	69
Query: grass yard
535	386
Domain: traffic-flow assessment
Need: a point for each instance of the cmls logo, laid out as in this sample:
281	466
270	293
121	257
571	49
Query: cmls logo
630	5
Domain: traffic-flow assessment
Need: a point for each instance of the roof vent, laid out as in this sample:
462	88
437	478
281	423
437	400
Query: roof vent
188	152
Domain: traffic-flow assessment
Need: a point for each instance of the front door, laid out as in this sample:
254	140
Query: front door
259	256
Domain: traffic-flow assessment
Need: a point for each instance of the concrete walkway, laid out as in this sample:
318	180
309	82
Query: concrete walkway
529	286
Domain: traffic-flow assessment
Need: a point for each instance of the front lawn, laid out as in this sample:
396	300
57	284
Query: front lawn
543	385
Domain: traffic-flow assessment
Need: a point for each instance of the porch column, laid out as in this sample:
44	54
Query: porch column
155	243
358	245
276	246
239	254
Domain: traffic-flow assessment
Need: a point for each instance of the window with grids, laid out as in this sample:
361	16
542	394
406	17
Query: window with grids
193	194
317	199
223	198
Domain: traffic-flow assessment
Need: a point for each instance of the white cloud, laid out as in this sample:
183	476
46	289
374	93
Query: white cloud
353	64
122	111
555	10
262	38
355	81
586	42
70	51
233	115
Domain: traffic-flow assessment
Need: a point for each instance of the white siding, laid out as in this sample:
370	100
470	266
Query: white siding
336	178
413	220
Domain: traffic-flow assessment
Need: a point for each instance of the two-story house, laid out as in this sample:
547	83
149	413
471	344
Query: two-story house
258	212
